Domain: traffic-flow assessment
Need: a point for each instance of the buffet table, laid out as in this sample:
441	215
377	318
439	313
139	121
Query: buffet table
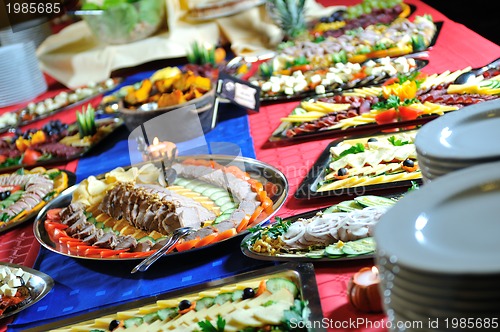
83	285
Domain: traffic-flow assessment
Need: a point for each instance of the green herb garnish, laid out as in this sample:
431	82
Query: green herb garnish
207	326
397	142
358	148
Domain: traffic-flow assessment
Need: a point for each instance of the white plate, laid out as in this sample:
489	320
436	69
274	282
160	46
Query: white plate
467	134
226	12
448	226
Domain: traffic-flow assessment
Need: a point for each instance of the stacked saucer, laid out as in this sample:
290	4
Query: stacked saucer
36	30
21	79
460	139
438	253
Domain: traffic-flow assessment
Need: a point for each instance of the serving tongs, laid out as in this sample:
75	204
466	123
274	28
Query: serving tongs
176	236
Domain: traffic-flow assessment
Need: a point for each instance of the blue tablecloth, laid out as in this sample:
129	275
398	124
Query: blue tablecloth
83	285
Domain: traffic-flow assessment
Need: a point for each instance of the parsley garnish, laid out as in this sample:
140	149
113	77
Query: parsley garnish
207	326
392	102
414	186
358	148
397	142
53	175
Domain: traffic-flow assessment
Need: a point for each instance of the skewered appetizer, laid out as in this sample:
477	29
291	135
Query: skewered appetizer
373	160
258	304
342	230
130	213
27	191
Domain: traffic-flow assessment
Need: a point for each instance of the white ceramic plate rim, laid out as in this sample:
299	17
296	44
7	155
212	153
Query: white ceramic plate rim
428	137
395	232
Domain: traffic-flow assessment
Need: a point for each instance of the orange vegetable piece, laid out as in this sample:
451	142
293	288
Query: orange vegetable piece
193	305
206	240
262	288
243	224
256	213
186	245
228	233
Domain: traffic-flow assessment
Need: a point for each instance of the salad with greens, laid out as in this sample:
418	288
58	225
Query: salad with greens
124	21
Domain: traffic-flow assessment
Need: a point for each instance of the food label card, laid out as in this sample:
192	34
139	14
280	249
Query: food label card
238	92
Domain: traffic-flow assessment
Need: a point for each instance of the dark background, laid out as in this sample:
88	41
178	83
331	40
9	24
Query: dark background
478	15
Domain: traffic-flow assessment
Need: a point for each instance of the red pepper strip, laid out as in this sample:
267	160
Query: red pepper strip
52	225
206	240
106	253
228	233
186	245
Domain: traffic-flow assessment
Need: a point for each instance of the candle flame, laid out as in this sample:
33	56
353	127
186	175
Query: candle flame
156	141
375	271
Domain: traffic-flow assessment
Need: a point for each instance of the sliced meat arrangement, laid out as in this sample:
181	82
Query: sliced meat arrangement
79	227
153	208
35	187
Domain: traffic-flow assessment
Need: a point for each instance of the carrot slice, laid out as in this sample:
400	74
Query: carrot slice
256	185
228	233
256	213
186	245
262	195
262	288
206	240
137	254
267	205
243	224
193	305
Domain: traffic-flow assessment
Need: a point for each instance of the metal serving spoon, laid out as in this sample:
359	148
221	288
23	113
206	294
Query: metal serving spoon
176	236
471	75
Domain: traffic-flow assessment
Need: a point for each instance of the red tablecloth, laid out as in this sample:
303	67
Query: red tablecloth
457	47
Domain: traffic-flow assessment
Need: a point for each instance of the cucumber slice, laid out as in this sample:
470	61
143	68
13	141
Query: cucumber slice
336	256
348	206
181	182
211	190
275	284
223	298
371	200
205	302
224	200
99	224
237	295
229	211
218	195
334	250
133	322
331	209
149	318
227	206
357	248
167	313
201	188
222	217
146	238
193	184
314	256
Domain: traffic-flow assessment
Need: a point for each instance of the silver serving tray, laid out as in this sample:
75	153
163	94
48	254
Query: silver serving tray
39	285
301	273
256	168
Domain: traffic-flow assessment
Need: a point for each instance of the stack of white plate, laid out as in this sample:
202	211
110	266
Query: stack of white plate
438	253
21	78
463	138
36	30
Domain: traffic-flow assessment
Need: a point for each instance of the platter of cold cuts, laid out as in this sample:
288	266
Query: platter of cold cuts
128	213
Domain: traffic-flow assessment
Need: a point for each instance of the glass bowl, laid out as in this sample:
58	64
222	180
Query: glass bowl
127	22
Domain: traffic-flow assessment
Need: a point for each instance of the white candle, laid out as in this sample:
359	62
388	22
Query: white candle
367	277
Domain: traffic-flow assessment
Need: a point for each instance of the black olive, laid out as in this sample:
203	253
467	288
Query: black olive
342	171
7	193
248	293
184	304
2	196
114	324
373	139
324	20
408	163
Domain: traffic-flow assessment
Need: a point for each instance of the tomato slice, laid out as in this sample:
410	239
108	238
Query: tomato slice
388	116
407	113
51	226
3	158
391	80
57	234
31	156
53	215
